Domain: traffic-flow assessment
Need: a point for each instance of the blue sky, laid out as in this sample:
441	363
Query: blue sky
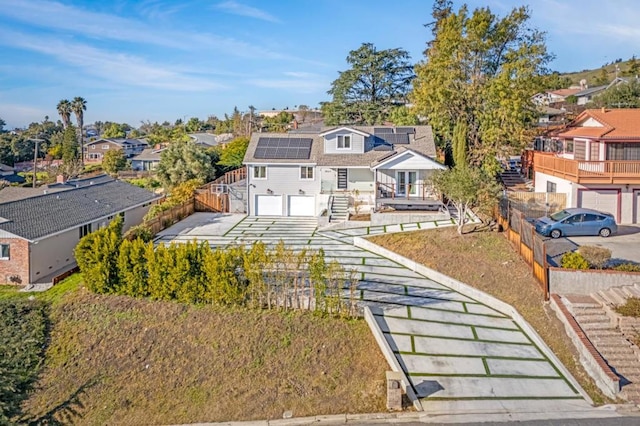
162	60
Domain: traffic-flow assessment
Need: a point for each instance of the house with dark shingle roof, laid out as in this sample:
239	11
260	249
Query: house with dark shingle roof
95	151
595	160
305	174
38	233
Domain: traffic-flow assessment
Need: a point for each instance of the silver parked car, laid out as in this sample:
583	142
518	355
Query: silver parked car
577	221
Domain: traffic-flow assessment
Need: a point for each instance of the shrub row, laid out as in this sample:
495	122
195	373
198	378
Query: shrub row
194	273
592	257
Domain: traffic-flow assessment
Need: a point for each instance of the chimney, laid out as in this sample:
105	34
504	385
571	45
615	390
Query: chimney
295	124
60	179
604	109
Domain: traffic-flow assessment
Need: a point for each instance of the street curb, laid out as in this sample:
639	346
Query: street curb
477	295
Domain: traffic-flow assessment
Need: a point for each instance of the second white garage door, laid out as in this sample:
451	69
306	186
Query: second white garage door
302	205
604	200
268	205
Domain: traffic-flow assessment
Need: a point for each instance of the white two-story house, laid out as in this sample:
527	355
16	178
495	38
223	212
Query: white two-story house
298	174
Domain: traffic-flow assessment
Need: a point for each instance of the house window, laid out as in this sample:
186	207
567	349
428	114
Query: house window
344	141
551	186
105	146
121	214
85	230
259	172
93	147
4	251
306	173
568	147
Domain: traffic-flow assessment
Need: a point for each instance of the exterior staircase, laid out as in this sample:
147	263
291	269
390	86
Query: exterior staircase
609	332
339	209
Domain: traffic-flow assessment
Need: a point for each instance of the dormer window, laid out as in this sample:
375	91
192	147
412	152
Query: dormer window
344	142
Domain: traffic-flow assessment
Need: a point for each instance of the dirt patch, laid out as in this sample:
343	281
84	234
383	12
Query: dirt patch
360	217
486	261
117	360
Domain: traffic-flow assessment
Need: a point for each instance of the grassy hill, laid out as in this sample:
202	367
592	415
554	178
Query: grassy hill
117	360
592	75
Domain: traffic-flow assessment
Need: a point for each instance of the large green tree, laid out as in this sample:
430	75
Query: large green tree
377	81
114	130
482	69
183	161
232	154
114	161
623	95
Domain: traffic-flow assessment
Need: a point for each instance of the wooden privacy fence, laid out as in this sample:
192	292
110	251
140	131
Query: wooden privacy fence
529	245
214	196
171	216
537	204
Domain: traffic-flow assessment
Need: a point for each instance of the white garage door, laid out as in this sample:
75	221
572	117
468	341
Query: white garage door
604	200
268	205
302	205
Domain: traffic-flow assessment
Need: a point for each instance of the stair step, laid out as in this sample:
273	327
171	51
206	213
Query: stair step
611	340
611	298
621	358
595	334
596	326
631	291
592	319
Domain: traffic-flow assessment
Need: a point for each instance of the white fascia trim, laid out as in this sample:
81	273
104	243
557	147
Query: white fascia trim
282	164
359	132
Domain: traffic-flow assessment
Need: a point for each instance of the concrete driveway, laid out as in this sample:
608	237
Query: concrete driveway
625	245
458	354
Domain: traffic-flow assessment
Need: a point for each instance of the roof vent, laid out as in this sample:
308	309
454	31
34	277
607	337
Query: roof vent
95	201
45	192
90	182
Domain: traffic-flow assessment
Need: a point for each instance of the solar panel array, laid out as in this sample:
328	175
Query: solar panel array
284	148
397	135
397	138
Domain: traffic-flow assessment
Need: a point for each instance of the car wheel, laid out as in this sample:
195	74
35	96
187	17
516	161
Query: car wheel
556	233
605	232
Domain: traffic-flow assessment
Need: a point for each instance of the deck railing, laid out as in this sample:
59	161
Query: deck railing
587	171
415	191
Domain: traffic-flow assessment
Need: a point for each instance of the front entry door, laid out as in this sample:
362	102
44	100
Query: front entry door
407	183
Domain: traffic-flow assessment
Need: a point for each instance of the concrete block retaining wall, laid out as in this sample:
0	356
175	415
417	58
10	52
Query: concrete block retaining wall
587	281
397	217
479	296
606	380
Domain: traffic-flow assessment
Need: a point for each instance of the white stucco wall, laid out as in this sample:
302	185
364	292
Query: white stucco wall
562	186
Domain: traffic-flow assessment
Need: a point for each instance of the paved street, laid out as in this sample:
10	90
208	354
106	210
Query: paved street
458	353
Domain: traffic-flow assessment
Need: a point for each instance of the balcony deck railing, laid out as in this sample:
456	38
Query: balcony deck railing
612	172
413	191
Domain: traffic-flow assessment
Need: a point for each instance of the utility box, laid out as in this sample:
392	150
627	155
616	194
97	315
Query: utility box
394	391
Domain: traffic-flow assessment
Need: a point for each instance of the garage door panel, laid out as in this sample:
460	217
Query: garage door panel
268	205
604	200
302	205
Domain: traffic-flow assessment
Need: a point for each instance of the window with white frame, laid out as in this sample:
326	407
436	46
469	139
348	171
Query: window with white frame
306	173
259	172
4	252
344	142
105	146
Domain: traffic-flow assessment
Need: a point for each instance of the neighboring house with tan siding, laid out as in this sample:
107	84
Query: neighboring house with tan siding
38	234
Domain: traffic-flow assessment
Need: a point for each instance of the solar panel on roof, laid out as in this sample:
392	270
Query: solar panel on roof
401	139
382	130
406	130
283	148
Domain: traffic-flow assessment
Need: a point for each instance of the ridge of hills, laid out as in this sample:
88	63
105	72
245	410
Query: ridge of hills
591	75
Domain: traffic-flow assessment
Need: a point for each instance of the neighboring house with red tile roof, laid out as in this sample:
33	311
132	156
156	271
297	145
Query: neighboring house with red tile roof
595	160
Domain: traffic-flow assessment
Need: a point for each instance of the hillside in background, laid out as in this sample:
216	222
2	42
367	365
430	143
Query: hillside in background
624	70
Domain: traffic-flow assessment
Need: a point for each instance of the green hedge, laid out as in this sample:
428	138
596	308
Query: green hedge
194	273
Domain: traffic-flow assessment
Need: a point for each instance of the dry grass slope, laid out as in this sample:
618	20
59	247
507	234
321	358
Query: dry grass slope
122	361
487	262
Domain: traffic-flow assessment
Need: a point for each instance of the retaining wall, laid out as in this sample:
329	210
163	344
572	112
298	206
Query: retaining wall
587	281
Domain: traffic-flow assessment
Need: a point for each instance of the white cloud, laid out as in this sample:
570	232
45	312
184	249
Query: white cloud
236	8
101	26
299	82
111	66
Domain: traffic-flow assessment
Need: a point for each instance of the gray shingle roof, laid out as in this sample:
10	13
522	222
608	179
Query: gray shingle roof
422	142
37	217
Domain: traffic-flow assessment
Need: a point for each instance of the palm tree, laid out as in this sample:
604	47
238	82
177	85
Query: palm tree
64	109
79	106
